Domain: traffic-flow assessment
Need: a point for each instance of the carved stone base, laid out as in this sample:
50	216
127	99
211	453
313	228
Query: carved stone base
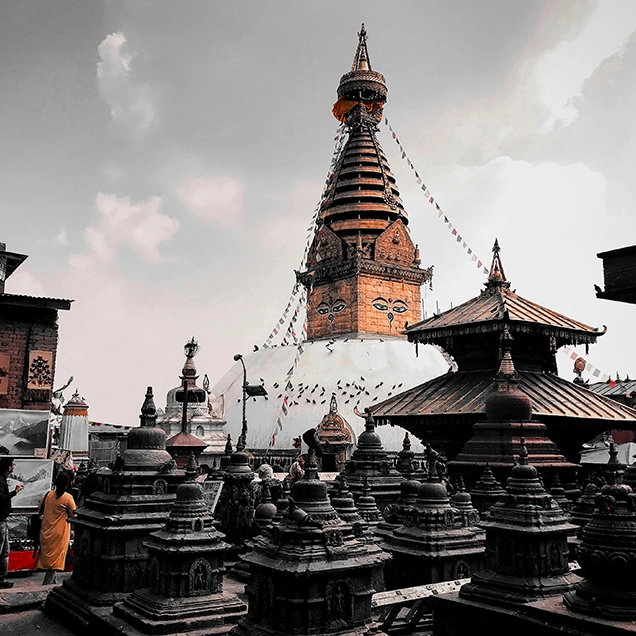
152	614
78	612
489	586
606	601
247	628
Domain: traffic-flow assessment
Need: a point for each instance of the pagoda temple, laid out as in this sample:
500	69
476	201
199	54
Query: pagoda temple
362	278
443	411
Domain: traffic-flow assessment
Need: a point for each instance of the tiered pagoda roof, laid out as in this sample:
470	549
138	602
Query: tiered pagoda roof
471	333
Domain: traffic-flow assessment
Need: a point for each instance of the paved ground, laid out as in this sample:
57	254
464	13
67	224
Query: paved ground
20	607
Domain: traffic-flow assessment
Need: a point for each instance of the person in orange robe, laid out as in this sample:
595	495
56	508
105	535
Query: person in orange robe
59	507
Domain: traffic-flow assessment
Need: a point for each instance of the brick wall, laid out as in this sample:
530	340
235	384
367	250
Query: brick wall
368	301
23	330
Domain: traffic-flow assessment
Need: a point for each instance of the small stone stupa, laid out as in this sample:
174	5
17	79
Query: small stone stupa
434	543
310	573
133	501
185	566
336	439
607	553
486	493
526	544
370	466
235	509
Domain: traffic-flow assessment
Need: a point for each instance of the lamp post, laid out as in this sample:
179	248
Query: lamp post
249	390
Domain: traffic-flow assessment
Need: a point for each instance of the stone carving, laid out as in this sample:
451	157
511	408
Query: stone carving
159	487
339	604
199	577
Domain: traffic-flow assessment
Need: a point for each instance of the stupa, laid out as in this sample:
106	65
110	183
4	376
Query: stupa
235	509
363	280
449	406
111	528
436	542
526	544
310	573
185	582
336	439
370	467
486	493
606	554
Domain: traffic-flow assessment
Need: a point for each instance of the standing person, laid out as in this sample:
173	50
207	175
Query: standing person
59	507
6	468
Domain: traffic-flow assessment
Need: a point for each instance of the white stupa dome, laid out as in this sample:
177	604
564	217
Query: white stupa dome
361	371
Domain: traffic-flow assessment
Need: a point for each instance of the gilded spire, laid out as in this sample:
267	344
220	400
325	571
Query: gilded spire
497	277
361	61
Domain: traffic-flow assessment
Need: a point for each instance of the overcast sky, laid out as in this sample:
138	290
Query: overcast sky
161	162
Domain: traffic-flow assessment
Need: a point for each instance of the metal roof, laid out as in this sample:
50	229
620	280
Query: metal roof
35	301
500	305
465	393
620	388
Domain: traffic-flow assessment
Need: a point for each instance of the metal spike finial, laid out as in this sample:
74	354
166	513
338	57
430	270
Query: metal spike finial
496	276
361	61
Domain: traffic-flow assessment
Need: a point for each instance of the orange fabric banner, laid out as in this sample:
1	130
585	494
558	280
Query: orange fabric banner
343	106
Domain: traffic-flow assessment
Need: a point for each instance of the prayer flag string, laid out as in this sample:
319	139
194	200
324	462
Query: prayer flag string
431	199
594	371
300	294
339	139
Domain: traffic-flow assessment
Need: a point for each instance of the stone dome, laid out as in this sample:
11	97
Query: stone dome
361	371
432	492
514	406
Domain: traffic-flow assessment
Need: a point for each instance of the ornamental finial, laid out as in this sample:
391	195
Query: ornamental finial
496	276
361	61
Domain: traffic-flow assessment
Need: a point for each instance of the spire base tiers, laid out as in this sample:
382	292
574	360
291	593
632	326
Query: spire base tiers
330	271
152	614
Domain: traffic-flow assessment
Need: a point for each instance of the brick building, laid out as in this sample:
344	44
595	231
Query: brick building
28	342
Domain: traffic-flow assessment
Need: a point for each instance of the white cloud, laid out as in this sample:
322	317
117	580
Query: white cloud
216	199
562	72
141	226
130	102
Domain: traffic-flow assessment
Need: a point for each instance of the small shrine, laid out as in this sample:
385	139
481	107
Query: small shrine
370	465
235	509
444	410
486	493
110	555
336	440
436	542
185	567
310	573
204	416
526	544
606	554
74	426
